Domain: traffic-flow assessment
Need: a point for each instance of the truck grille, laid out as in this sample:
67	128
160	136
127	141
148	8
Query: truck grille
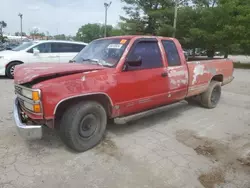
18	90
21	102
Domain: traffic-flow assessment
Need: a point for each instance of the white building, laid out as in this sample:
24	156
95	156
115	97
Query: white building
15	38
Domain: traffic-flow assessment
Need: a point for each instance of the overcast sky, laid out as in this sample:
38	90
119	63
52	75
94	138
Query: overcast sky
56	16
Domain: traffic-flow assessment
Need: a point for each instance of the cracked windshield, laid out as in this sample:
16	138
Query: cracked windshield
102	52
125	94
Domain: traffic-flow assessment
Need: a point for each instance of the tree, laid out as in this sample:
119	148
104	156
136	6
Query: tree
149	17
19	34
35	33
221	25
134	24
140	18
117	31
209	24
2	25
237	27
60	37
205	3
90	32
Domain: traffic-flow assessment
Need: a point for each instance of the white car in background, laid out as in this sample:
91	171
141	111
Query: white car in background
49	51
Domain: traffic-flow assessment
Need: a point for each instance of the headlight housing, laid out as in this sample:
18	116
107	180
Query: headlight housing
33	95
33	107
29	99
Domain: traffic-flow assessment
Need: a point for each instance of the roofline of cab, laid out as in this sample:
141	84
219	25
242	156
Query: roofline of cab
135	37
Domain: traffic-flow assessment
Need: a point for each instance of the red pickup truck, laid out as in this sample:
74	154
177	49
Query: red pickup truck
111	78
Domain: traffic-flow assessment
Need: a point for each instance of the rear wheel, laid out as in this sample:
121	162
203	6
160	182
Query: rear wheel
211	97
83	126
10	69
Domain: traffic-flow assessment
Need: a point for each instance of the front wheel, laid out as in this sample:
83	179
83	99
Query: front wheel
83	125
211	97
10	69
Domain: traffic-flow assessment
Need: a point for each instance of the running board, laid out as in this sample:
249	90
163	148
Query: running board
133	117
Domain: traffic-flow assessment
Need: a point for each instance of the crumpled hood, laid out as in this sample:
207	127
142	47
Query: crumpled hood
26	73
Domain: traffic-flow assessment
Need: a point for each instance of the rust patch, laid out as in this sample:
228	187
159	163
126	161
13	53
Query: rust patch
215	177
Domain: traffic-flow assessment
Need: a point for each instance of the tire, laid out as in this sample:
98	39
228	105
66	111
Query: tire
83	125
10	69
211	97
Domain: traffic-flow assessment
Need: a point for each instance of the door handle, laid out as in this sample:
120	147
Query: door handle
164	74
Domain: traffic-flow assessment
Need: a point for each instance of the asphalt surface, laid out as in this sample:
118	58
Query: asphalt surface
182	145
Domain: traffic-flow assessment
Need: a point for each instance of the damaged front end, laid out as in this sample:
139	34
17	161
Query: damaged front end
28	102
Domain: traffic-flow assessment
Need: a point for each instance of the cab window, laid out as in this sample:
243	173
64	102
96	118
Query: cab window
150	54
171	53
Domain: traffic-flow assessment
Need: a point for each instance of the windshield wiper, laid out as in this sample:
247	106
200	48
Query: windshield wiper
98	62
93	60
72	61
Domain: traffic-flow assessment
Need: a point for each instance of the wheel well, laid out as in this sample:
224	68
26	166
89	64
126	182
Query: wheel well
14	62
10	63
101	98
218	78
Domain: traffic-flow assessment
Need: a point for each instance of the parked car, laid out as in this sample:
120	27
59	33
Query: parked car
217	53
48	51
9	45
111	78
204	53
185	54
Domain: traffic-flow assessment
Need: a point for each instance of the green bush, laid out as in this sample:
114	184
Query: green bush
238	65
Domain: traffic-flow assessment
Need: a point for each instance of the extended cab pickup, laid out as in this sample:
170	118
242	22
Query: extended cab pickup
111	78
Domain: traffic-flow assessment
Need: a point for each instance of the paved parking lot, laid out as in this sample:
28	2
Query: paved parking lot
181	146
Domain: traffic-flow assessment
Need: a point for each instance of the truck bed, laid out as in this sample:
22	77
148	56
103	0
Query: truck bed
202	72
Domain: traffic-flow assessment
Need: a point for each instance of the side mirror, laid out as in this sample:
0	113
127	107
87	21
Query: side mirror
36	51
135	61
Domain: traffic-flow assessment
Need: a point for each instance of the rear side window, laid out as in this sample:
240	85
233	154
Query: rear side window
172	53
66	47
78	47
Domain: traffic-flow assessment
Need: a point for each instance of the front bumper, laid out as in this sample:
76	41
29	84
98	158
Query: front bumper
29	132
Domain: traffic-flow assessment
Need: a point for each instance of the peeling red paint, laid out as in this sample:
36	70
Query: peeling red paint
201	73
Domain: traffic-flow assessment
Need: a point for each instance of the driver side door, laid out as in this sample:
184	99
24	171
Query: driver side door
146	86
45	55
